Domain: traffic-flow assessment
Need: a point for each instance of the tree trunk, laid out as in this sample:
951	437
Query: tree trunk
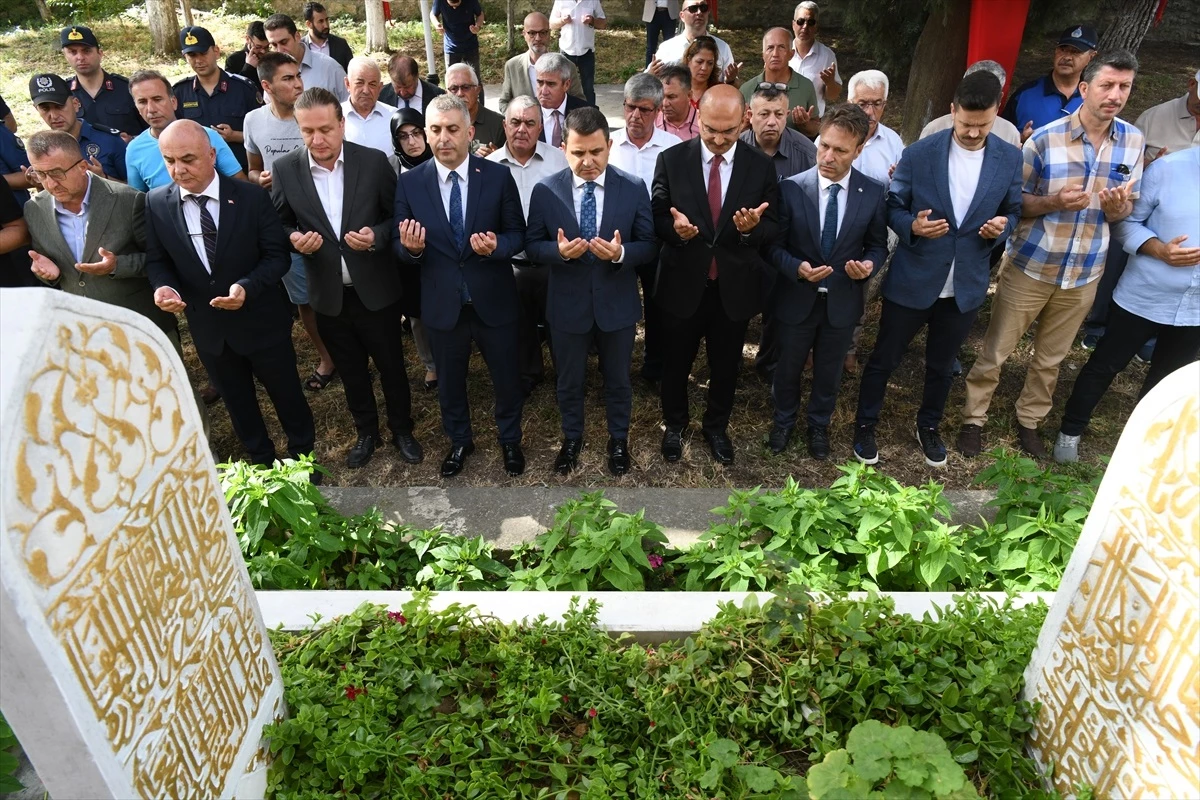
164	27
43	10
1129	25
937	67
511	40
377	40
187	12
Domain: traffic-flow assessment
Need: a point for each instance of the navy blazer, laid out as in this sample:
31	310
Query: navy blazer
251	250
587	291
492	205
920	266
862	237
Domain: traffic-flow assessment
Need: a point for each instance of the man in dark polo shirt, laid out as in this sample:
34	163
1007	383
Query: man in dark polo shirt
213	97
103	96
1055	95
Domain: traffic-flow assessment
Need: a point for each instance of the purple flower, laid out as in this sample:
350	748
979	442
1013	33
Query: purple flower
655	560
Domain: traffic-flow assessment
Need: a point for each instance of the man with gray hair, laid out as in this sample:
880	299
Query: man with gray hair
881	152
553	85
368	121
463	83
529	160
812	59
1002	128
519	74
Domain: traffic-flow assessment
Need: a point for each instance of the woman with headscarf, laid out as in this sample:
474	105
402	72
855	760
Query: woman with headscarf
411	149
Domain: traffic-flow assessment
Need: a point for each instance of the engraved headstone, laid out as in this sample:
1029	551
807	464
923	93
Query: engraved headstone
135	663
1117	664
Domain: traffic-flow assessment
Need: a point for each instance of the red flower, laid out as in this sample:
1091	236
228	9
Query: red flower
396	616
543	640
651	723
566	698
592	712
352	692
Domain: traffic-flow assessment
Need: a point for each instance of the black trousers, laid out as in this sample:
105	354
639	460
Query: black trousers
452	355
652	343
532	282
571	355
768	343
723	338
586	64
274	366
829	344
357	335
660	25
1124	336
1114	266
948	329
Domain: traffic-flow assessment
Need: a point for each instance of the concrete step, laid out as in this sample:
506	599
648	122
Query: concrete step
511	516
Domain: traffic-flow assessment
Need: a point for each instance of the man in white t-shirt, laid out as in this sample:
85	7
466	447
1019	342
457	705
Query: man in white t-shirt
577	22
694	16
940	272
812	59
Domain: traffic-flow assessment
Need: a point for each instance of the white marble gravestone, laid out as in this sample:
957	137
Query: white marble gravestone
134	661
1117	664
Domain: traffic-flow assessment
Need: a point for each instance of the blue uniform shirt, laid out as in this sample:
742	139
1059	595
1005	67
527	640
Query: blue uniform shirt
147	170
112	106
233	98
1040	102
457	22
105	145
13	159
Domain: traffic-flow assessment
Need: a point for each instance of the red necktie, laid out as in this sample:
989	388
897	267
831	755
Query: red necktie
714	205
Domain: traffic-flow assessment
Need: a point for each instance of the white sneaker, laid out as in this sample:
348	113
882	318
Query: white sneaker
1066	448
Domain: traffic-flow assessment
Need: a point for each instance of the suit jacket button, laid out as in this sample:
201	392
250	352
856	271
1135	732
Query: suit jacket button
212	283
81	283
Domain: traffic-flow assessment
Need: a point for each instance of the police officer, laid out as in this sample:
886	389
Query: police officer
103	96
213	97
102	147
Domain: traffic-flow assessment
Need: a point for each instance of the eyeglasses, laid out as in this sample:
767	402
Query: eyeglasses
461	87
408	137
779	87
702	8
54	174
630	108
868	105
523	123
542	32
802	22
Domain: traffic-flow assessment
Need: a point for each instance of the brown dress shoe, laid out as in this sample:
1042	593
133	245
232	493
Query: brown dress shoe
970	440
1031	442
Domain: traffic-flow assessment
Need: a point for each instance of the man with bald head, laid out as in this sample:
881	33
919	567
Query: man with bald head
407	89
778	75
714	205
519	75
215	250
368	121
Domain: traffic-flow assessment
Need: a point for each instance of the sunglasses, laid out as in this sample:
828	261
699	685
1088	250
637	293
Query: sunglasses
702	8
779	87
805	22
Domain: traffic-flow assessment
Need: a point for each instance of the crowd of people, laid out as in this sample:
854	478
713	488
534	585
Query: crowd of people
302	181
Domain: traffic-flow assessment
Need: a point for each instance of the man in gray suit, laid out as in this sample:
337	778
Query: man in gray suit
519	75
89	233
335	200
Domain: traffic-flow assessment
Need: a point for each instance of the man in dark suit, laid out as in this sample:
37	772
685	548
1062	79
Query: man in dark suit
835	235
954	197
553	94
463	238
591	226
407	89
320	40
715	207
335	199
219	258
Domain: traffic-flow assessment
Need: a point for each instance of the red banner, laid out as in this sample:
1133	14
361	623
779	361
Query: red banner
996	30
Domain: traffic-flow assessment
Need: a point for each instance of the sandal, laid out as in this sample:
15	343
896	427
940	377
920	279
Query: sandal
316	382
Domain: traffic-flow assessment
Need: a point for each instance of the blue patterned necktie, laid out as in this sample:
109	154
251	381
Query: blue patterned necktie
456	212
587	212
829	229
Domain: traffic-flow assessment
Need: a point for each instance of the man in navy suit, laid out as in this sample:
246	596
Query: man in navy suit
460	221
553	94
835	234
215	249
954	197
591	226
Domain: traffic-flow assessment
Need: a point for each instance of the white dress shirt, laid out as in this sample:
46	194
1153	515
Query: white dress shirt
191	216
707	156
811	66
412	102
544	162
640	161
674	49
823	185
373	130
577	192
330	185
74	226
965	167
575	38
444	187
879	153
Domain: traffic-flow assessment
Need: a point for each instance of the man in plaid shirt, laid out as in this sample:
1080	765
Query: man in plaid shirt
1081	175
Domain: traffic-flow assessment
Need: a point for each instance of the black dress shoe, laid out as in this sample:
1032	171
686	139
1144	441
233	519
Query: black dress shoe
672	444
410	449
618	456
514	459
568	456
722	448
455	459
778	439
818	442
362	451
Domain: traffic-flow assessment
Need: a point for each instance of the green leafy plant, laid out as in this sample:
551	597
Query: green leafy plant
9	763
880	761
450	562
